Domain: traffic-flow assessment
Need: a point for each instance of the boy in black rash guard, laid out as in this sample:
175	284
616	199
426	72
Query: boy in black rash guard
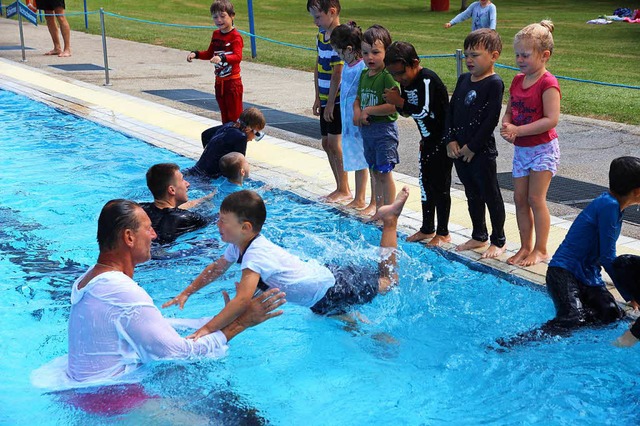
424	97
168	212
474	112
230	137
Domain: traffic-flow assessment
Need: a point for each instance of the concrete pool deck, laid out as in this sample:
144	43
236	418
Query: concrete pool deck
280	159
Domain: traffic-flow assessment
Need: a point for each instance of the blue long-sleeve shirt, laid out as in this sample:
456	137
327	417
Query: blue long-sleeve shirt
483	17
591	241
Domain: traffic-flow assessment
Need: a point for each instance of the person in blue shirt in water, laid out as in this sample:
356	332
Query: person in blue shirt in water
574	279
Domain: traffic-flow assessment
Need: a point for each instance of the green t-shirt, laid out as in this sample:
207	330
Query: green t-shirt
370	92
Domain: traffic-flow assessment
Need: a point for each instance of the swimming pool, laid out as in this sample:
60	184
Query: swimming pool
421	359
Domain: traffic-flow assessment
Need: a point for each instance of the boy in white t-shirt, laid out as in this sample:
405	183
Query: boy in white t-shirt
326	290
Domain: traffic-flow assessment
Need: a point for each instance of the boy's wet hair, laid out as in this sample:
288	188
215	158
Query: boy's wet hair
346	35
159	177
377	32
231	165
220	6
538	34
248	206
484	38
323	5
252	117
401	52
624	175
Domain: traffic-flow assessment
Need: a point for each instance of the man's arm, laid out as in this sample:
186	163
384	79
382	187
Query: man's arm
210	273
261	308
194	203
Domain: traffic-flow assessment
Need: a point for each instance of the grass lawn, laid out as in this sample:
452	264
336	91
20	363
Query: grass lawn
607	53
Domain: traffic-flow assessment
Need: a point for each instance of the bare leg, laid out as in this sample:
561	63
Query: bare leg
389	215
334	152
371	208
65	29
524	218
538	187
359	201
53	31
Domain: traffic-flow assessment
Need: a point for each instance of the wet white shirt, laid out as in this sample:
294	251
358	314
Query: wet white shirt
304	282
114	327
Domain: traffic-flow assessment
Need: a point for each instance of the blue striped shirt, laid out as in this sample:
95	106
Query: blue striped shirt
327	59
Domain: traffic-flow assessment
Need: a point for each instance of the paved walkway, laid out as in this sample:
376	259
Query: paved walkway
291	160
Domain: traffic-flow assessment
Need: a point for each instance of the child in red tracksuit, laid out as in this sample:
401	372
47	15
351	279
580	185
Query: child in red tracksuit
225	53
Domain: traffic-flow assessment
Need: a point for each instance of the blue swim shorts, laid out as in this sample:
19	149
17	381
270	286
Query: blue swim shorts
355	285
380	140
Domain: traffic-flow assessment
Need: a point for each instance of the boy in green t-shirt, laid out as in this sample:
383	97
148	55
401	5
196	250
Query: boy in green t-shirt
376	117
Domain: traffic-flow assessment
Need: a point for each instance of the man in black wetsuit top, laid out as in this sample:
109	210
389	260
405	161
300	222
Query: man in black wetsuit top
168	211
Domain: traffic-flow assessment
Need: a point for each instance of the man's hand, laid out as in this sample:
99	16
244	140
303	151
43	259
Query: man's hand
392	96
180	300
262	308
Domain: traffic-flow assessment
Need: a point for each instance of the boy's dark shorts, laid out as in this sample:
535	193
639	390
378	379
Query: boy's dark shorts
355	285
380	141
334	127
49	4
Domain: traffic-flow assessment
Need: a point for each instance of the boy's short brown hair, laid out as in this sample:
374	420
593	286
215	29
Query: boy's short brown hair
624	175
252	117
248	206
219	6
485	38
323	5
377	33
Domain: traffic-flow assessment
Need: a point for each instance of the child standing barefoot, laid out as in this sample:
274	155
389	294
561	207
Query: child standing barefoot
346	41
376	117
529	123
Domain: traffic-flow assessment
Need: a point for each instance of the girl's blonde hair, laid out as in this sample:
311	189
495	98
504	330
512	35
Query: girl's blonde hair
539	34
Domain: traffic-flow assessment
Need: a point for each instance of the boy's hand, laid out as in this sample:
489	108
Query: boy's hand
328	112
626	340
316	107
453	150
180	300
191	56
392	96
466	154
364	118
447	25
216	60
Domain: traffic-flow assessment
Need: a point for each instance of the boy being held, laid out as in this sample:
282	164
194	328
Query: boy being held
225	53
376	117
424	97
327	290
326	77
474	112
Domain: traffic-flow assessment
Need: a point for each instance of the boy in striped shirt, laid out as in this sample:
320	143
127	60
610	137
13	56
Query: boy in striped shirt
327	74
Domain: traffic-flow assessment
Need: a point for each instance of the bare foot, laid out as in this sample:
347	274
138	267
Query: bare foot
326	197
493	251
394	209
65	54
471	245
338	197
533	258
419	236
356	204
370	210
438	240
516	258
53	52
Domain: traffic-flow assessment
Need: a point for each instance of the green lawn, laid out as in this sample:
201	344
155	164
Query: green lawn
607	53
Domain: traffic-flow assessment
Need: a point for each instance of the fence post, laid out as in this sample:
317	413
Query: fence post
458	62
86	17
104	49
252	29
24	56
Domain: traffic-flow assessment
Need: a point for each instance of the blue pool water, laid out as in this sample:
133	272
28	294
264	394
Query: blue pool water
422	358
